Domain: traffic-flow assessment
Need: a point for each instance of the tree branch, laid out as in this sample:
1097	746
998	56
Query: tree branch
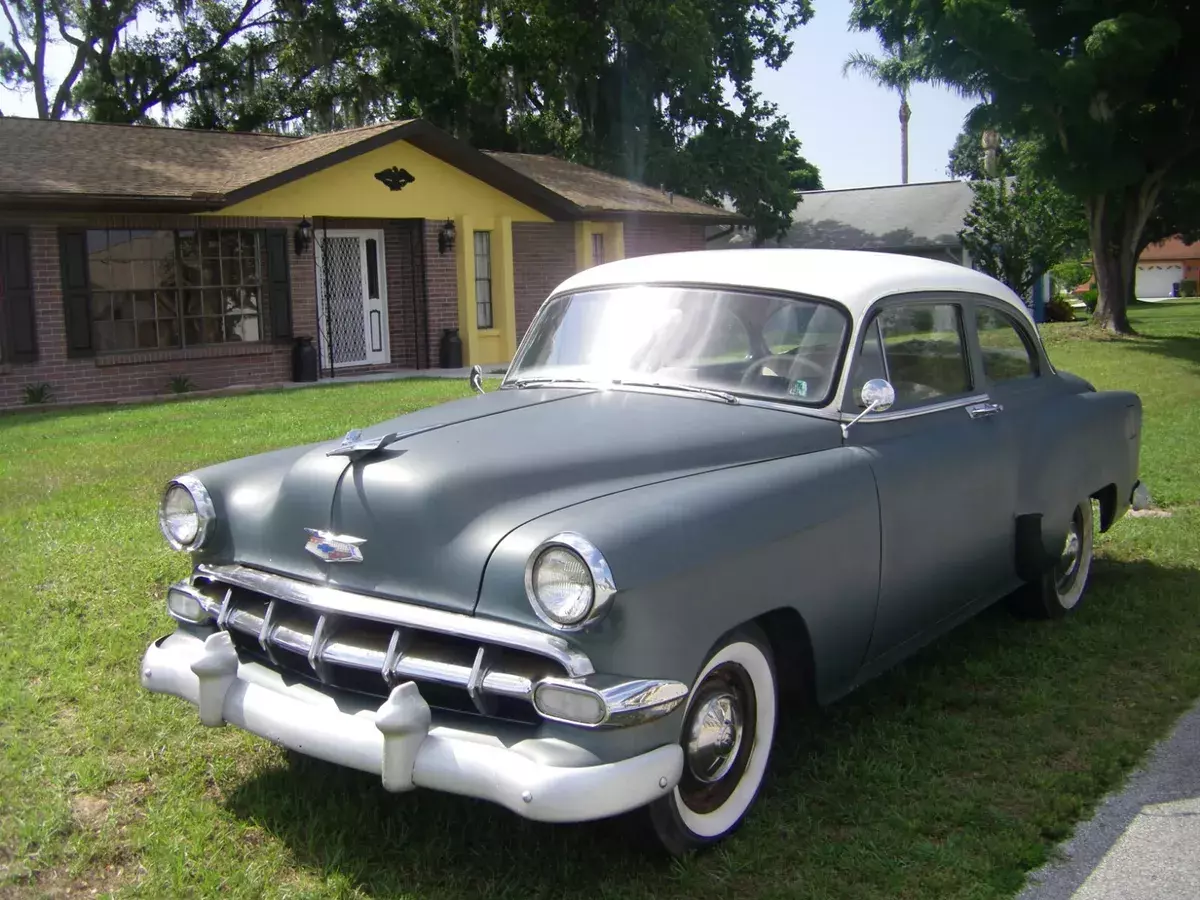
160	91
16	34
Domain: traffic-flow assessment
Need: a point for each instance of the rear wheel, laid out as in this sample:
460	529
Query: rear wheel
1060	590
727	732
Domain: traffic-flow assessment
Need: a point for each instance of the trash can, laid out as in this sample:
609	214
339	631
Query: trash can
450	350
304	360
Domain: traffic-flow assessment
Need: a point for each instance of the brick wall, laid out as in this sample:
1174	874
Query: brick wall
441	280
142	373
543	258
647	235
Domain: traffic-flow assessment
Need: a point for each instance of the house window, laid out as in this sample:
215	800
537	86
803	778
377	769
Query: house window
483	279
597	248
171	289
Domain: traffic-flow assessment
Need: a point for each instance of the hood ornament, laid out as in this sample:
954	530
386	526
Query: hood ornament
355	446
334	548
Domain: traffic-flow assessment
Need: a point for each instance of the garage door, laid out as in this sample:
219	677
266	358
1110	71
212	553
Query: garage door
1156	279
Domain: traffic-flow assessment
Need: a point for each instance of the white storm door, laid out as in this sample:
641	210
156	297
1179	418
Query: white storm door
352	298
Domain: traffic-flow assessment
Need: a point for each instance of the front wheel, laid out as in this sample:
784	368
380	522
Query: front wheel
727	732
1060	590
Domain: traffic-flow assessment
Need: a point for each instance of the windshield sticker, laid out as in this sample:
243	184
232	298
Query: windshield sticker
799	388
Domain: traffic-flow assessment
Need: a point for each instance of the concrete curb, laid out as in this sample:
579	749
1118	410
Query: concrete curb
1127	850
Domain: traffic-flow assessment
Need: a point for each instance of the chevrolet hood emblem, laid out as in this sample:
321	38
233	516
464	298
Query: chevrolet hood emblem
334	548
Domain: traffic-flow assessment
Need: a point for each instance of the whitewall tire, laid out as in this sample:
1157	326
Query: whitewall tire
1060	590
728	728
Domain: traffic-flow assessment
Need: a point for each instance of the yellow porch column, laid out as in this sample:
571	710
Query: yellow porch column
464	247
616	232
583	246
504	306
614	242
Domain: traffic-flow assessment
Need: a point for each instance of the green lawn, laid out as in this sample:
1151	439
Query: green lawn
949	777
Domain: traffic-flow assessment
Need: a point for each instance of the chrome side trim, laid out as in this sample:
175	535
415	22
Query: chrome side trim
330	600
895	414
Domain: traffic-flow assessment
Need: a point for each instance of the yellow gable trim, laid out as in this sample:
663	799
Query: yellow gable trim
350	190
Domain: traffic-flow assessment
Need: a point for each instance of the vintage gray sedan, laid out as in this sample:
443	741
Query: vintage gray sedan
706	478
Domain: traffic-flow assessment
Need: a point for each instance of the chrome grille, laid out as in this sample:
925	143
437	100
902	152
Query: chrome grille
369	656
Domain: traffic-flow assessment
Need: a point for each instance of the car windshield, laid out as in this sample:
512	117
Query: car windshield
706	339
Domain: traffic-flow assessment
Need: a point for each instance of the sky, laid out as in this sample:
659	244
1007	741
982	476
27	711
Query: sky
848	126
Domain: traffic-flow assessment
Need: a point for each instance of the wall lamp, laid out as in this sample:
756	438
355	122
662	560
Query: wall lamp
302	239
446	236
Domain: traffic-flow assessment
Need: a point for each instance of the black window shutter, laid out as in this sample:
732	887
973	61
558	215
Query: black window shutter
76	291
16	285
279	287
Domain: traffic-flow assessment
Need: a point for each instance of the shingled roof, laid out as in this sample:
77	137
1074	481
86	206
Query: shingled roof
74	162
595	191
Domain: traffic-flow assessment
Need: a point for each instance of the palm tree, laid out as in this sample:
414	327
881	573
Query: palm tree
893	70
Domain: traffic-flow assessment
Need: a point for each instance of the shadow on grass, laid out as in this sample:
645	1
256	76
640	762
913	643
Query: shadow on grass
1183	348
952	775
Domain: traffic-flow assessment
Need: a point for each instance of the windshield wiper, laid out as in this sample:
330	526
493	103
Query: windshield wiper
542	382
723	396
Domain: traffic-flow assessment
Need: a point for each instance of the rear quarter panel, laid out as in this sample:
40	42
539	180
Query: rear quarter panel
1077	443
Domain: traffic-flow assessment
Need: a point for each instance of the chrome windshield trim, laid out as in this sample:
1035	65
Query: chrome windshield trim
330	600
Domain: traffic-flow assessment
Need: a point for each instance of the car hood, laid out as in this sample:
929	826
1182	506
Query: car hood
431	507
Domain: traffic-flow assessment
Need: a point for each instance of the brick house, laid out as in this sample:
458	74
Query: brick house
1164	266
130	255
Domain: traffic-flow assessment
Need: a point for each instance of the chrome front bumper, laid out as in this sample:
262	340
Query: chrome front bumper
549	781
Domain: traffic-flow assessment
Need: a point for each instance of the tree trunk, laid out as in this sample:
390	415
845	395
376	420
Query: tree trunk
1116	221
905	115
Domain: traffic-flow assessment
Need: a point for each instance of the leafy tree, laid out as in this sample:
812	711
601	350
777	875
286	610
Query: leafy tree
1107	87
1018	228
893	70
117	76
656	90
967	155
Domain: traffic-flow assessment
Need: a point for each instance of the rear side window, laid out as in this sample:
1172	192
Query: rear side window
1007	354
919	348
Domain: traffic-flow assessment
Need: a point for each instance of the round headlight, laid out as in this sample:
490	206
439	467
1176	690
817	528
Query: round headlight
186	513
568	582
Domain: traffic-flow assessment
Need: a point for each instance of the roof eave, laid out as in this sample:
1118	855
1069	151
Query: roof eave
139	203
716	217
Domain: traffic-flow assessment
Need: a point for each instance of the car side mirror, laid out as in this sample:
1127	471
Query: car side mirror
877	395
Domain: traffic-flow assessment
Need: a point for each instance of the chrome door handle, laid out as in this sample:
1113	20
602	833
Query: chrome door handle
983	410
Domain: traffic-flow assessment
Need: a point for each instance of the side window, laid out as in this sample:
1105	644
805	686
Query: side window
1005	350
919	348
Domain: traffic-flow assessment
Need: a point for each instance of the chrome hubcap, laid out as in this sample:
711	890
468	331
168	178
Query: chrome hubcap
714	737
1068	560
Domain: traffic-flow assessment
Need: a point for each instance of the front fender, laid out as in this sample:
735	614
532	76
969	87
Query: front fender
696	556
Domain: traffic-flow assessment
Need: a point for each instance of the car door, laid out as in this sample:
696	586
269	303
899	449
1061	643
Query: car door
946	486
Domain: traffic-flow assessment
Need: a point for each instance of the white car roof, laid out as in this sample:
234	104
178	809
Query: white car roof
854	278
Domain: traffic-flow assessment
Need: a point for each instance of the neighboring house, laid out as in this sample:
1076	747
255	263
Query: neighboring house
914	219
132	254
1162	267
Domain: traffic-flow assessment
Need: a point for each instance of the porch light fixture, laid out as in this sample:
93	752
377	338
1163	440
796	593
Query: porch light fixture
303	236
446	237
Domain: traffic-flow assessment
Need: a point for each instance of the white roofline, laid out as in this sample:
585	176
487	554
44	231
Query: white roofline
853	278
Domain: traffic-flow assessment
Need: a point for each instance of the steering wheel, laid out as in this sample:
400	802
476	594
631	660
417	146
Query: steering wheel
787	364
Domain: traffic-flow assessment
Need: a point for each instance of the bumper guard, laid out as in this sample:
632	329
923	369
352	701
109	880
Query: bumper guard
398	741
